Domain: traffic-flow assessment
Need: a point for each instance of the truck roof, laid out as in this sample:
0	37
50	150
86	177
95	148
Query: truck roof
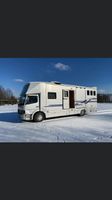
62	84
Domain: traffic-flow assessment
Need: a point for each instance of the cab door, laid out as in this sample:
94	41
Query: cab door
32	103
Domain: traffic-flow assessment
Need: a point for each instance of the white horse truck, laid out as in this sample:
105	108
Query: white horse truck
41	100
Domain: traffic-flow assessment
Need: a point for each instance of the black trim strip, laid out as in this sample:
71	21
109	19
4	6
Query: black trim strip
87	101
60	105
54	105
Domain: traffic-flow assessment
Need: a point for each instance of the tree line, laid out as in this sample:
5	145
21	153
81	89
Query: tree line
104	98
6	96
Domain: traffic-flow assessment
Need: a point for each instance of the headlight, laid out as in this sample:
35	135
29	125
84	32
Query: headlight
27	112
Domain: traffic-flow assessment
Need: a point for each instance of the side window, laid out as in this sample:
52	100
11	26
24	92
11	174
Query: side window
65	93
51	95
94	93
31	99
87	92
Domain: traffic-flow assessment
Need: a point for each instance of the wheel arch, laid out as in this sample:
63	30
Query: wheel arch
82	111
38	112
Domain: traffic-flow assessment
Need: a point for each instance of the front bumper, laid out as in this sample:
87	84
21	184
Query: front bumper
26	117
23	115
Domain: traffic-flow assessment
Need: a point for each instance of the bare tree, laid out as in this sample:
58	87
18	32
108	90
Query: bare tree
6	96
104	98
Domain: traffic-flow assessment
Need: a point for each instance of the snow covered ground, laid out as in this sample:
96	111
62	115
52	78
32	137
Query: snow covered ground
96	127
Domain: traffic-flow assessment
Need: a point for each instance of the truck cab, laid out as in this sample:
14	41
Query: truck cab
28	104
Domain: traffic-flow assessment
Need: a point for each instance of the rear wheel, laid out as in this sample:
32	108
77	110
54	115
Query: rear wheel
38	117
82	113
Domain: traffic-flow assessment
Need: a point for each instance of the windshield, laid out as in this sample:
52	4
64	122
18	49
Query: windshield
21	101
25	88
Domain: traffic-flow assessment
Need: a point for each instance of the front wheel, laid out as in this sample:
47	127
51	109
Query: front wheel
82	113
38	117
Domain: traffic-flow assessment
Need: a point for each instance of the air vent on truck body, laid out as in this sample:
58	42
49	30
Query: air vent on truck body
56	82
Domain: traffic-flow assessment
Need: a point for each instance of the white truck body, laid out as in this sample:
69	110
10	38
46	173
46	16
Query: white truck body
54	99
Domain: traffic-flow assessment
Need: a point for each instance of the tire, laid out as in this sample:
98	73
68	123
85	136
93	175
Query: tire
82	113
38	117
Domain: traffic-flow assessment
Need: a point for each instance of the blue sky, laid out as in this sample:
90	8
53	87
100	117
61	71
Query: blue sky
15	72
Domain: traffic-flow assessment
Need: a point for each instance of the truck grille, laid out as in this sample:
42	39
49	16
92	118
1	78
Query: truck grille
21	112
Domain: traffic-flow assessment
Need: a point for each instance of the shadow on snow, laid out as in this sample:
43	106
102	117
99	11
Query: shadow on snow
10	117
14	117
